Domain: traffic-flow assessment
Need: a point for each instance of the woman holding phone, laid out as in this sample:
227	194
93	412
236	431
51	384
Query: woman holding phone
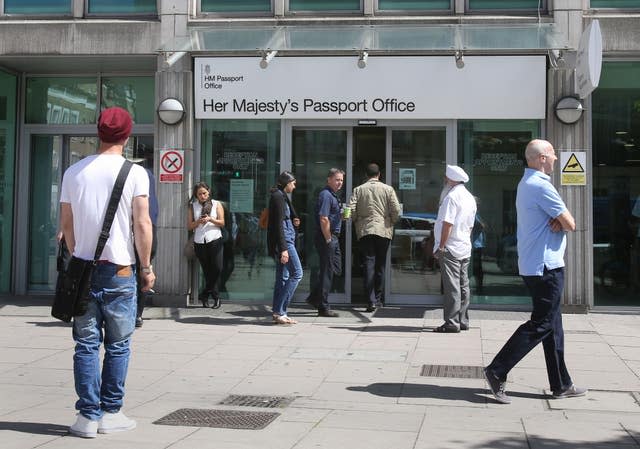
205	217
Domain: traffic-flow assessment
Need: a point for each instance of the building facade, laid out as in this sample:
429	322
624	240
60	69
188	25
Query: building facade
306	85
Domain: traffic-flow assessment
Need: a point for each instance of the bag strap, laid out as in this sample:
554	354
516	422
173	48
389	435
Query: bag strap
116	193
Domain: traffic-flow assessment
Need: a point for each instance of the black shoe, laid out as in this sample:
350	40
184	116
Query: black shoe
328	313
497	387
464	327
371	309
138	321
216	303
447	328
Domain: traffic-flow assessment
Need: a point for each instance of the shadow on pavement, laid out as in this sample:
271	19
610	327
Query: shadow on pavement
35	428
50	323
450	393
403	329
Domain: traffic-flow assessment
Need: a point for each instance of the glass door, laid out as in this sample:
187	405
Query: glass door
418	164
314	152
50	155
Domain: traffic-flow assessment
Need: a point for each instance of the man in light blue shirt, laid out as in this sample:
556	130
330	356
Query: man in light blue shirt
543	220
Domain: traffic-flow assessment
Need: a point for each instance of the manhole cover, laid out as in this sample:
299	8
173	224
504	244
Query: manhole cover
257	401
228	419
459	371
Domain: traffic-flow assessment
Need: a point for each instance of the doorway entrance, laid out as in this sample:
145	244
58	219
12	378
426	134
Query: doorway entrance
411	159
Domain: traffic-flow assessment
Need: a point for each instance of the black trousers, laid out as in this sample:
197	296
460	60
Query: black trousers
330	263
374	257
210	257
545	326
142	296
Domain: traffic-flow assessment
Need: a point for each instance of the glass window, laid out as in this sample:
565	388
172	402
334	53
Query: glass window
136	94
505	5
8	88
414	4
324	5
61	100
616	185
240	160
615	3
492	153
37	6
235	5
417	172
122	6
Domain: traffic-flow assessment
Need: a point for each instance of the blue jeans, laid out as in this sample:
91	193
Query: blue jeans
545	326
288	276
112	306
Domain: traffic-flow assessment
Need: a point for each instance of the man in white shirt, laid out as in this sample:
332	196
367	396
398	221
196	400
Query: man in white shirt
452	233
111	314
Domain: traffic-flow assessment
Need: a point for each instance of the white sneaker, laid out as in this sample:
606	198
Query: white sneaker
115	422
84	427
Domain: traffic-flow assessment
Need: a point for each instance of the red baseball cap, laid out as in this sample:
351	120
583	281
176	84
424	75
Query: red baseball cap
114	125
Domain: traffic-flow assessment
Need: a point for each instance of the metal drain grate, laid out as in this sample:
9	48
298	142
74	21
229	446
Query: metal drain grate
458	371
227	419
257	401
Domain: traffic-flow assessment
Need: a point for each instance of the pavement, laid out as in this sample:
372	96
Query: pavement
354	381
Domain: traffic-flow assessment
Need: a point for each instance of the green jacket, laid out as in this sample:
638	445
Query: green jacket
374	209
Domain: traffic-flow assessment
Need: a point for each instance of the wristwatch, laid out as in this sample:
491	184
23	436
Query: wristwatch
147	270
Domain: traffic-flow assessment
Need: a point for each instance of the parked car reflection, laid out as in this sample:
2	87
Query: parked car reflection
412	245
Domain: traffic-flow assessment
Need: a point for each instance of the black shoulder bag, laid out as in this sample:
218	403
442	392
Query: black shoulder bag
74	279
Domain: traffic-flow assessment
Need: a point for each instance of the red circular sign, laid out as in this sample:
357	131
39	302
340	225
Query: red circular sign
171	161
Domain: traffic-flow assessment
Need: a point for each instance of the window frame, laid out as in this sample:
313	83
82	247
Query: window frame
121	15
414	12
212	14
328	12
544	10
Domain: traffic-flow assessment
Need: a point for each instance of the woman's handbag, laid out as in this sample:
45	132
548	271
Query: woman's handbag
74	279
189	249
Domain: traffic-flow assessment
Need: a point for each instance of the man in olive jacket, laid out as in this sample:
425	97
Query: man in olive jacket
374	210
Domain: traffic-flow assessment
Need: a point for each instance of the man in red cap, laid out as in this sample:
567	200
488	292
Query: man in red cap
85	193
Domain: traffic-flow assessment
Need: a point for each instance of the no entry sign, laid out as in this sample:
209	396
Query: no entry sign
171	165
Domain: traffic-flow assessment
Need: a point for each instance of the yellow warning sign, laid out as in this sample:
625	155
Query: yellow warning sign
573	165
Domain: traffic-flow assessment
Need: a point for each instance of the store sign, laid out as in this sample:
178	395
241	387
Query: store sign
488	87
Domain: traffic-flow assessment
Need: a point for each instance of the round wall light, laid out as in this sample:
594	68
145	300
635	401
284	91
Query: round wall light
569	110
171	111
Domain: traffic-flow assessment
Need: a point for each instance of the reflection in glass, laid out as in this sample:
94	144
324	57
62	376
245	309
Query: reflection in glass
414	4
324	5
235	5
37	7
240	160
61	100
46	175
314	153
7	157
417	171
136	94
616	185
492	153
122	6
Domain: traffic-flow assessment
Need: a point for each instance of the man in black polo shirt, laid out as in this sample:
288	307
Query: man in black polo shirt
328	223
